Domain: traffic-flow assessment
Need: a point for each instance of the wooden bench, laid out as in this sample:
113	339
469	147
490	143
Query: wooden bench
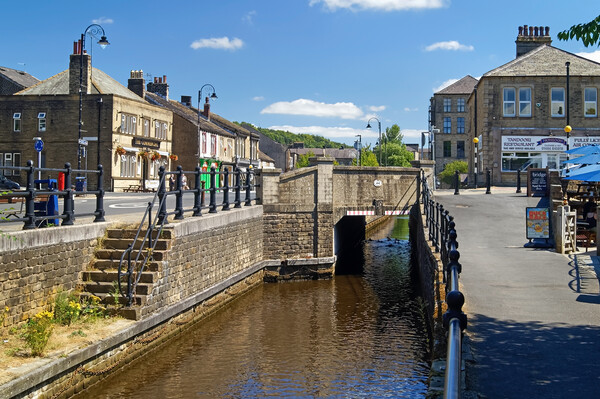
586	238
8	212
133	188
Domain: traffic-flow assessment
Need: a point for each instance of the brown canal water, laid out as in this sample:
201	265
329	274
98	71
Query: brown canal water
356	335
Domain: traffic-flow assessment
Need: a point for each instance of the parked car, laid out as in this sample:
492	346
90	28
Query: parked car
6	184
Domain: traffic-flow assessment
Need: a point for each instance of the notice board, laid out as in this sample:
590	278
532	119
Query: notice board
537	182
537	222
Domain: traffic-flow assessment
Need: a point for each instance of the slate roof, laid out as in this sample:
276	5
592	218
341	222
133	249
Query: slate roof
21	78
264	157
546	61
232	127
101	84
188	113
463	86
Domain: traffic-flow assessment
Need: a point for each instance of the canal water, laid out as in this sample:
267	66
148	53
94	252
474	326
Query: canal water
354	336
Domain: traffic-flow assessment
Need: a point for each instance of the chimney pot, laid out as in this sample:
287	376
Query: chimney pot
535	31
525	30
164	79
531	31
520	31
547	31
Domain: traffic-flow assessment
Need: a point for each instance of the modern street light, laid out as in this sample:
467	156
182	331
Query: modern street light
93	30
359	149
213	95
379	147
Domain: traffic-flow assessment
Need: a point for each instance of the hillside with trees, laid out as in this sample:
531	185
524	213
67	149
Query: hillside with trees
288	138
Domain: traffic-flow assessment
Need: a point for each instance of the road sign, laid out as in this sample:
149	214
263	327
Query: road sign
83	142
39	145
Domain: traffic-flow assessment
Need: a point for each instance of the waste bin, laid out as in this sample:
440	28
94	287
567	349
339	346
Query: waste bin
47	205
80	183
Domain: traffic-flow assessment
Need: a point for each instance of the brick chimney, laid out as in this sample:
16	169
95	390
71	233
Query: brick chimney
136	83
74	68
186	100
159	86
206	111
531	37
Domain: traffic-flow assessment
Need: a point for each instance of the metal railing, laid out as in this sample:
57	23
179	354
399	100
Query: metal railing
442	233
145	243
33	219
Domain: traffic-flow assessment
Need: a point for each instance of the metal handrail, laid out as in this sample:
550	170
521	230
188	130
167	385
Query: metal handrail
442	232
156	223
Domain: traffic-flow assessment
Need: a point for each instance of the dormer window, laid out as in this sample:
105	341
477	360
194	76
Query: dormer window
17	122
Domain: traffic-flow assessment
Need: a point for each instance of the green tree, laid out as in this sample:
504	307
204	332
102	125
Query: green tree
447	175
304	160
367	157
397	154
588	33
392	134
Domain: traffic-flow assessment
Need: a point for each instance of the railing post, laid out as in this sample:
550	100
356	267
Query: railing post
197	192
248	202
130	276
100	196
212	206
488	182
437	227
162	196
30	199
431	219
238	187
69	204
226	190
518	181
454	321
456	179
179	195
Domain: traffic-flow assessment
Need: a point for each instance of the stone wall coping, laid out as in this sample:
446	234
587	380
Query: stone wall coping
210	221
28	239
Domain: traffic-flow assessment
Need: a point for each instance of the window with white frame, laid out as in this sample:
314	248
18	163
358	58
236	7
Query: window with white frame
146	125
160	130
557	97
213	145
524	101
10	159
460	105
447	105
590	102
204	142
508	101
253	149
447	125
17	122
41	122
460	125
128	124
128	165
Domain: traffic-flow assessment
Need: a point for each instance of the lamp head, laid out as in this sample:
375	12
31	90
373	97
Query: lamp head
568	129
103	42
214	95
475	140
368	125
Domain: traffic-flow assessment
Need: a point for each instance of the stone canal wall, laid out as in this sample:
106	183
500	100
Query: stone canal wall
36	264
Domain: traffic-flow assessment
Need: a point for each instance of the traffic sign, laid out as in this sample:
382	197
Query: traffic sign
83	142
39	145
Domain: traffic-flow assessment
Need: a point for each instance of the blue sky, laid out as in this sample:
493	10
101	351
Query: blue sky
307	66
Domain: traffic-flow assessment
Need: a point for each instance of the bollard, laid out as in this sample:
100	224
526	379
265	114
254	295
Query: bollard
518	181
456	183
488	182
69	203
99	196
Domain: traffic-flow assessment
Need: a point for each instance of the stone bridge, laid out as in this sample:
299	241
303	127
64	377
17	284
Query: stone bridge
306	211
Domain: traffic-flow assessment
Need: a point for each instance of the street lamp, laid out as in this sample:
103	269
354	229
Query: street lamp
359	149
568	126
213	95
92	30
379	147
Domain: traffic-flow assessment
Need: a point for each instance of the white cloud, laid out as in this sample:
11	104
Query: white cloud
407	109
377	108
249	17
258	98
313	108
222	43
444	85
594	55
329	132
381	5
452	45
412	135
103	20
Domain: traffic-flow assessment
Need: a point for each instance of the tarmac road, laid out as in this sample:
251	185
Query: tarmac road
534	314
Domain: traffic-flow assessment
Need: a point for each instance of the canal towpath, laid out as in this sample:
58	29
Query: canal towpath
534	314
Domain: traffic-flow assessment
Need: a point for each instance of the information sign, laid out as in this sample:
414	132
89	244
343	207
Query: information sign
538	222
537	182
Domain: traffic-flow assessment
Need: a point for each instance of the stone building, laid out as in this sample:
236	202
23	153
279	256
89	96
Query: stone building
13	80
128	136
449	116
520	109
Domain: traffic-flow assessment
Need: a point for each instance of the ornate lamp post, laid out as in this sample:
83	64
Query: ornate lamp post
92	30
213	95
368	127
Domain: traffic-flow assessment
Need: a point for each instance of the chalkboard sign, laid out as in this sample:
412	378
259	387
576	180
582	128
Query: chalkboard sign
537	182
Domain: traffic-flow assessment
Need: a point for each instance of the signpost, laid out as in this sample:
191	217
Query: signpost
39	146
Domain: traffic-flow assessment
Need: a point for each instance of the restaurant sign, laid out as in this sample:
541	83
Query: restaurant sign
538	223
145	142
534	143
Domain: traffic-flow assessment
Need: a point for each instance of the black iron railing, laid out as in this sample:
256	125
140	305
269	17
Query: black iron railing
442	233
32	195
135	258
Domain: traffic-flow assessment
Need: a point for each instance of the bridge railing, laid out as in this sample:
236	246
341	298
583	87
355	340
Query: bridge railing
137	255
442	232
32	196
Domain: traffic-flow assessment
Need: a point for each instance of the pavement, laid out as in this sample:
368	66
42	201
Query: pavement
534	314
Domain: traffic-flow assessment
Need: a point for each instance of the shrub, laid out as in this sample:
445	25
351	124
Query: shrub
66	308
